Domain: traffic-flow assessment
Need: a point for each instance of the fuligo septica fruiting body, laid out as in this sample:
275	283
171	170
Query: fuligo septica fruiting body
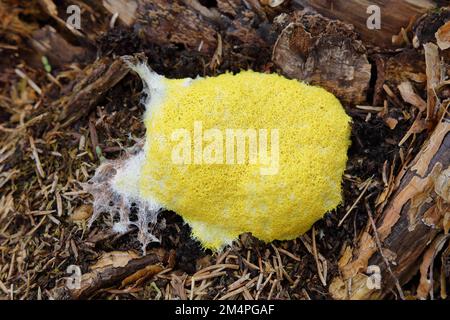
236	153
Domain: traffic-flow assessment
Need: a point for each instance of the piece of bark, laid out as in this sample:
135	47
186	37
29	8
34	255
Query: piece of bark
95	81
409	95
433	70
409	222
443	36
394	14
426	282
142	275
323	52
113	269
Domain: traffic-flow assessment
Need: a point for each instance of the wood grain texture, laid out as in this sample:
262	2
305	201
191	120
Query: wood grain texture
395	14
95	81
410	221
190	24
324	52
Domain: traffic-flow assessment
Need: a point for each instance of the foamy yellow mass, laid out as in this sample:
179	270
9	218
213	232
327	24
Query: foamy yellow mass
186	166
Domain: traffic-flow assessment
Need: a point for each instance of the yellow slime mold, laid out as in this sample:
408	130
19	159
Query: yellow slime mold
250	152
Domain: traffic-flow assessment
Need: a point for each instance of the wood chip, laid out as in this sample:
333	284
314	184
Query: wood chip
433	78
409	96
443	36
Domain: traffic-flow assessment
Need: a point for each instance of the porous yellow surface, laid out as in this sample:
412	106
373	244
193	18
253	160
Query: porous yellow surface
222	201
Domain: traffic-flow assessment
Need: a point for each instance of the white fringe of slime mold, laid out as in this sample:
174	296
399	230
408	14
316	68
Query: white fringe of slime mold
108	198
114	186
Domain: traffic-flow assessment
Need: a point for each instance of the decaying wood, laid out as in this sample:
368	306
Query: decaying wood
95	81
115	267
413	217
393	70
395	14
418	208
410	96
323	52
443	36
433	79
434	28
193	25
426	27
426	267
